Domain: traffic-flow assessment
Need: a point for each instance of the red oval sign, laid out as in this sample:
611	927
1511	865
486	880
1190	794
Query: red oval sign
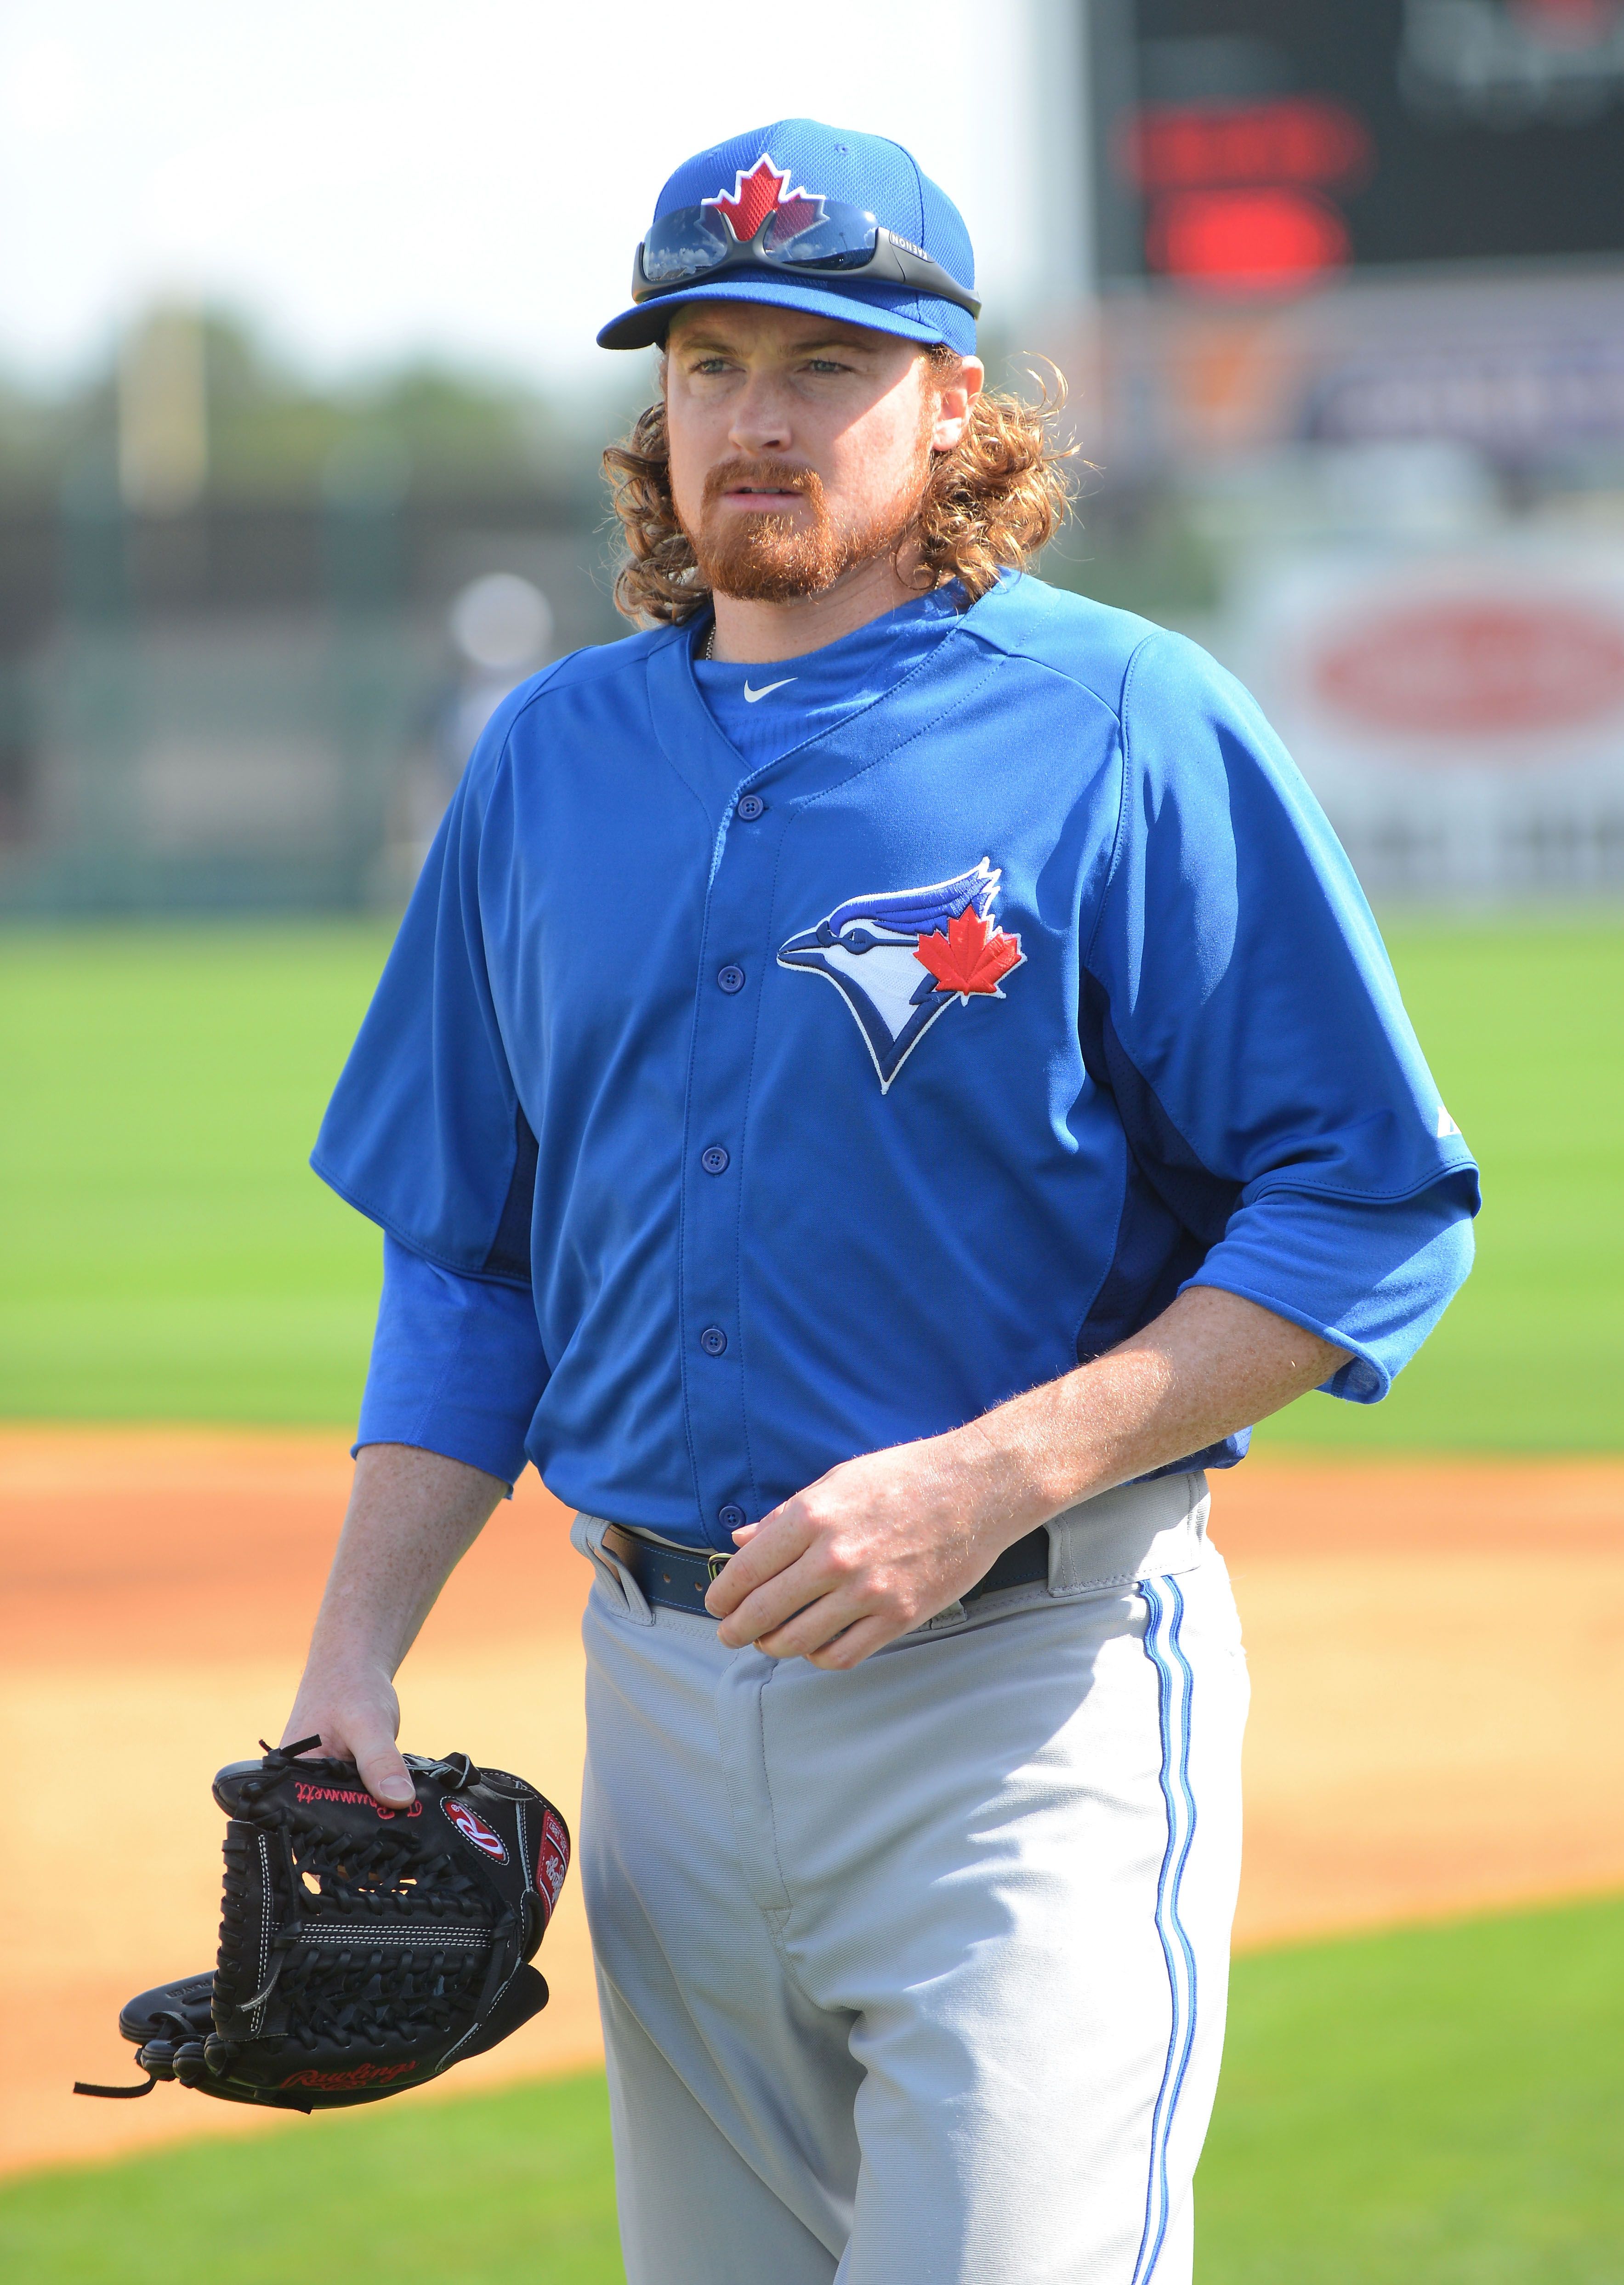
1475	666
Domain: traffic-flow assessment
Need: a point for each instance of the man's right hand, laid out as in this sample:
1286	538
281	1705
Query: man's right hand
357	1718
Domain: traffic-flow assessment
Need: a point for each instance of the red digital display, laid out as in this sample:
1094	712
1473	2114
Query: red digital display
1415	132
1236	192
1247	241
1307	140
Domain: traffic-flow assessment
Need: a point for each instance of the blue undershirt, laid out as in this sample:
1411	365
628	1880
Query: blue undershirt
794	699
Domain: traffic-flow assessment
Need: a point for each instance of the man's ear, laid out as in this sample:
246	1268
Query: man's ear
955	393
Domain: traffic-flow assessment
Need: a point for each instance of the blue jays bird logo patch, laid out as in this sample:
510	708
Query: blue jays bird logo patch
901	957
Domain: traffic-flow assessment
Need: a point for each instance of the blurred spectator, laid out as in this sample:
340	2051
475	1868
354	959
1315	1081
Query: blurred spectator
502	627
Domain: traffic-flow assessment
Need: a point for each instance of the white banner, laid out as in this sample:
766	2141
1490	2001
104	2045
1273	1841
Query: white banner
1460	714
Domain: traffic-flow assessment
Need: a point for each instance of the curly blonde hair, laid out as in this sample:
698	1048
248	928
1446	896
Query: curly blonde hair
989	503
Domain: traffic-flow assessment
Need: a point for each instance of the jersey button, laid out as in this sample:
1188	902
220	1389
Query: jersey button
714	1160
731	1518
713	1340
751	807
731	979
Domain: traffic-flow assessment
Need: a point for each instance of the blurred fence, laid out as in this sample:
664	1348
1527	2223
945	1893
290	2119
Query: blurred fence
1395	508
248	707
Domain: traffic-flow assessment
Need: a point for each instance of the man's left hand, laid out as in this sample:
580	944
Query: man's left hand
882	1544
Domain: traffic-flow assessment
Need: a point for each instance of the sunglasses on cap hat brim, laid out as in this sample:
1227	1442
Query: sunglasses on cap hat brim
838	241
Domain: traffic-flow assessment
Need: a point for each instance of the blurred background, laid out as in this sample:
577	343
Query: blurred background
300	420
296	328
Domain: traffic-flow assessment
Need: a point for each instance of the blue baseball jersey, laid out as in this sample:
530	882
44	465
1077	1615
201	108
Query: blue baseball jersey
730	1116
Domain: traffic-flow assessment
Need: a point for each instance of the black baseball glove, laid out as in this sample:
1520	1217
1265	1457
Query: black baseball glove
363	1950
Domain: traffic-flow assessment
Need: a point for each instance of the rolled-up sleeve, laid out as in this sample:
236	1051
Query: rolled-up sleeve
1374	1279
1239	1005
457	1367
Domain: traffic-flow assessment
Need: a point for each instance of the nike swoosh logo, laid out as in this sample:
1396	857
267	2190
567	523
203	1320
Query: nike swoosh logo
768	688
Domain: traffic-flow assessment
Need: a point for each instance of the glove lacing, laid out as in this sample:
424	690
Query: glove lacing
360	1993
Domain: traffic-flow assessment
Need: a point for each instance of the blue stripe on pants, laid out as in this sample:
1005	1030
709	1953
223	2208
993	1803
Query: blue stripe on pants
1165	1608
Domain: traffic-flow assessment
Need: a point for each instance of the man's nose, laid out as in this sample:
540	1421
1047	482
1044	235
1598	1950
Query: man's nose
760	422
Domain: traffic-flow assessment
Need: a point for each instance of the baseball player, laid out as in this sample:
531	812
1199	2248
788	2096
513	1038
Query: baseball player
885	1074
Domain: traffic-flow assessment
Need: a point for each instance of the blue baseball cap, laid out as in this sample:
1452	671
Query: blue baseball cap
798	185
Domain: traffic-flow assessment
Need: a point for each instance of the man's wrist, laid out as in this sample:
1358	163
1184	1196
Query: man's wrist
346	1667
1025	1479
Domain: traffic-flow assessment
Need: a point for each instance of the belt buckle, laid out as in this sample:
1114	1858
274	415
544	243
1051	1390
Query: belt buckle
716	1565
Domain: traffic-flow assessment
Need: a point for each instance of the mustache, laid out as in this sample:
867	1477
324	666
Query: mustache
763	475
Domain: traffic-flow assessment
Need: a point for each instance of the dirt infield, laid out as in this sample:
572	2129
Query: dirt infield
1437	1723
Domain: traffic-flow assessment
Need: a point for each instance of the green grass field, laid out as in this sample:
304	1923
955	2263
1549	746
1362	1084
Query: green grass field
1438	2107
1523	1024
168	1256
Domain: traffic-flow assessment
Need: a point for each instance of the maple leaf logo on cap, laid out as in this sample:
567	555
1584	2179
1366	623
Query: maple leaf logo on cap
763	195
971	956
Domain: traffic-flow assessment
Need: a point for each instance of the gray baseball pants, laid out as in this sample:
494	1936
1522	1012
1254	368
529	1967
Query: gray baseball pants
916	1975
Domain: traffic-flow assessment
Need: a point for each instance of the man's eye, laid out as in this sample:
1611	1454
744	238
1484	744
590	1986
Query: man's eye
826	365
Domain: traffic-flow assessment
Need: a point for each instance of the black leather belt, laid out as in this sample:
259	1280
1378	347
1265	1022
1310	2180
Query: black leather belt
679	1580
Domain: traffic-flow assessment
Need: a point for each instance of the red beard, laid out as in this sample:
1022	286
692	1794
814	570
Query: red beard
774	558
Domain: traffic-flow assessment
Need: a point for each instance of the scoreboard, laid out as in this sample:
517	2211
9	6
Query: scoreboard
1246	146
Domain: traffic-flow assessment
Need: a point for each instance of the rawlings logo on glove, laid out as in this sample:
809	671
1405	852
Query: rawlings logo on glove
473	1827
359	1951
